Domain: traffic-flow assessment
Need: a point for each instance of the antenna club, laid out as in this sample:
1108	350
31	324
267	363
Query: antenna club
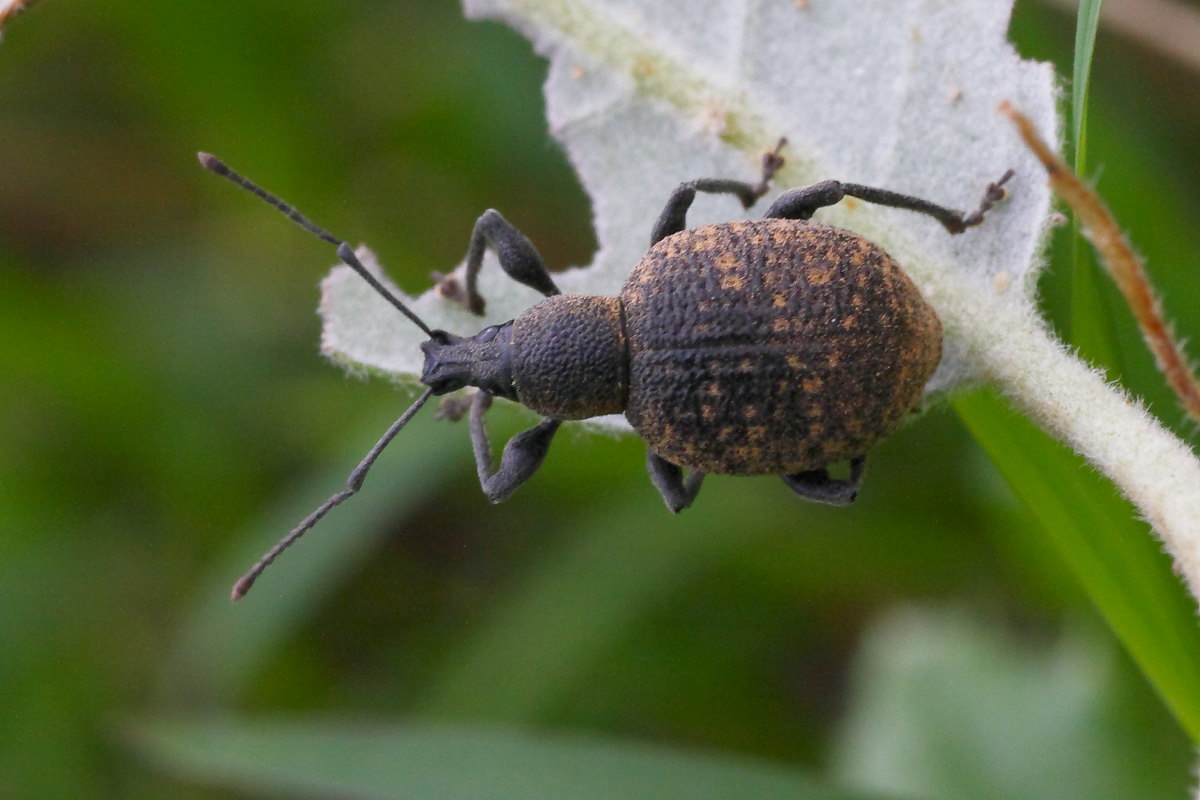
241	587
212	163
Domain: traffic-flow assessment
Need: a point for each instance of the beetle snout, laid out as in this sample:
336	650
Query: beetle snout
443	371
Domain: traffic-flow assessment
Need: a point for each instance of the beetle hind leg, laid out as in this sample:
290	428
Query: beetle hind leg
676	492
673	218
818	486
802	203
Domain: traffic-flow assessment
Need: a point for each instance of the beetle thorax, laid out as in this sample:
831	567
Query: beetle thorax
569	357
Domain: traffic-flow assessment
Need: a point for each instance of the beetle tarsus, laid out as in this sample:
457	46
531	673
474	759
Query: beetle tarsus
772	162
994	193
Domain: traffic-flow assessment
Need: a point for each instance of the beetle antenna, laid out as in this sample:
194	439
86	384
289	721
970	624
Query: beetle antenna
353	484
344	251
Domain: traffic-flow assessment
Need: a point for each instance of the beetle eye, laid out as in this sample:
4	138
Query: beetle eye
487	334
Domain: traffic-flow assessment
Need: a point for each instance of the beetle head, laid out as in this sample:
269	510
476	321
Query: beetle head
483	360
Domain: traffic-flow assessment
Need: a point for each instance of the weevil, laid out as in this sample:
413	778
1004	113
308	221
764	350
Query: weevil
775	346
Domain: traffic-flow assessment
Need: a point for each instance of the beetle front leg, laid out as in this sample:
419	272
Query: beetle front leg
668	479
818	486
518	257
522	455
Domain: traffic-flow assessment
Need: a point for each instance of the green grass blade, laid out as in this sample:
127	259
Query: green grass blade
1091	329
455	763
1113	555
1086	23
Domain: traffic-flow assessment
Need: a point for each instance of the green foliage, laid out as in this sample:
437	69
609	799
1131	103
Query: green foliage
1126	574
944	707
164	417
457	763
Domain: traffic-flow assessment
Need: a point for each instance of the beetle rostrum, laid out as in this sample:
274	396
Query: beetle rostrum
776	346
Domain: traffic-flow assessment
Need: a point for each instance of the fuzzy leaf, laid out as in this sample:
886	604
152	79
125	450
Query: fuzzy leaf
901	94
645	95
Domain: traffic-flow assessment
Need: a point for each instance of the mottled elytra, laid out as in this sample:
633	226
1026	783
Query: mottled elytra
775	346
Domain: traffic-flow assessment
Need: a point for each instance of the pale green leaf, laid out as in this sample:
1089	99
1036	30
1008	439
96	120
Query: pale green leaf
944	706
418	762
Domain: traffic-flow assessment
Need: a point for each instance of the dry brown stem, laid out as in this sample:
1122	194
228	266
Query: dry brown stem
1121	262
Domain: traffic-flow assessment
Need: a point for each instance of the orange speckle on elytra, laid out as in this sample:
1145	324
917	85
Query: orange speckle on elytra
812	384
818	276
732	283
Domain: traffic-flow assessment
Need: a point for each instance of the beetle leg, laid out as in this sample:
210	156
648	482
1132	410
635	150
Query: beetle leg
518	257
816	485
668	479
673	218
521	457
801	203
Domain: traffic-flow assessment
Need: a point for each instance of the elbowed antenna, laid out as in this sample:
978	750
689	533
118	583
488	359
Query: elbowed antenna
344	251
353	484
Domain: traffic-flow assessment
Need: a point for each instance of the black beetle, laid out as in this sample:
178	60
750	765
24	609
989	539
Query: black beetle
774	346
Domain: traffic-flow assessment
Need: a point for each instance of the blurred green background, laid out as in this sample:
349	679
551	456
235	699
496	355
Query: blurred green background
164	416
